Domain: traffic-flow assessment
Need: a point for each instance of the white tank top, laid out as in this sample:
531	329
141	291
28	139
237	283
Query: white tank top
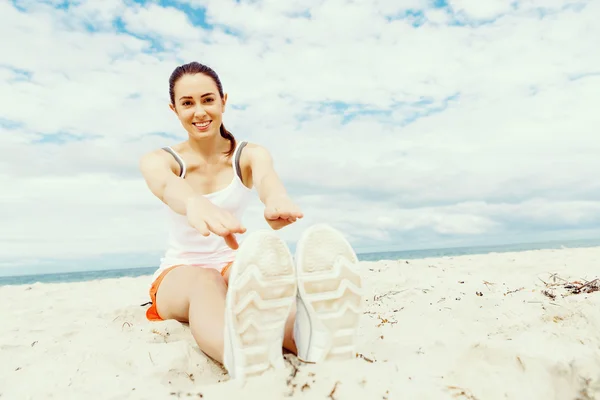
185	244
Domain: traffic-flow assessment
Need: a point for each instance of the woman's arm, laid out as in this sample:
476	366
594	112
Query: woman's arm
160	178
280	210
175	192
265	179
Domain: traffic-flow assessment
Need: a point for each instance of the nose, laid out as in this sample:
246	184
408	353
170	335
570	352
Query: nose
200	111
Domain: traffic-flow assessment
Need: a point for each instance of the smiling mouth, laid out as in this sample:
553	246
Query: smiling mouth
202	125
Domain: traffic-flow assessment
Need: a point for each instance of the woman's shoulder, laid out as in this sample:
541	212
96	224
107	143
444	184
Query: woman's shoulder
253	148
253	152
161	157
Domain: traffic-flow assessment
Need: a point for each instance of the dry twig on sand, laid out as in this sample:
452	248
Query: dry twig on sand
578	287
367	359
187	395
390	293
385	321
573	287
514	291
333	390
548	294
462	393
164	335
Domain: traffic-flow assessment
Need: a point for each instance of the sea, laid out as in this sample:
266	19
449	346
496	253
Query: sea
80	276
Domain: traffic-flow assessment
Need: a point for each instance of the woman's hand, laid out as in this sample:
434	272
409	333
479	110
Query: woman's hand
281	211
207	217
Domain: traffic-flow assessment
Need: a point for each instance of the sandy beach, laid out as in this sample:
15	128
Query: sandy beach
496	326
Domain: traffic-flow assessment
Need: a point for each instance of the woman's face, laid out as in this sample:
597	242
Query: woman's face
198	105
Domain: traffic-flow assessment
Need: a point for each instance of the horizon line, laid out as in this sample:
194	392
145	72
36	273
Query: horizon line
363	253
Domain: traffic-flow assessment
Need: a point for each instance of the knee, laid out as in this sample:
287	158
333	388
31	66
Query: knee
206	283
208	278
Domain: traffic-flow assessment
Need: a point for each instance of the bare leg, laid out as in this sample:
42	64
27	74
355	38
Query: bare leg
196	295
288	338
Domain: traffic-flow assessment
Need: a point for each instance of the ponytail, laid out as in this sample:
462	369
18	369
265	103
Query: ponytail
227	135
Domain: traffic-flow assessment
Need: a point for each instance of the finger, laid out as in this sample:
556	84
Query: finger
271	213
295	212
202	228
232	242
233	224
278	224
285	214
218	228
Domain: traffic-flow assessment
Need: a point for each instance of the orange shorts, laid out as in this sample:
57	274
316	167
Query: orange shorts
152	312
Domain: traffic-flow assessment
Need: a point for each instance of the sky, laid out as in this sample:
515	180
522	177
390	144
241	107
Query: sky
405	124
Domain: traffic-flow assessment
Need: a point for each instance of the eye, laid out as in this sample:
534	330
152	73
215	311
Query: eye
210	100
187	103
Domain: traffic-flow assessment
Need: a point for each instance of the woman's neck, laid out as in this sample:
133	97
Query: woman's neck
210	149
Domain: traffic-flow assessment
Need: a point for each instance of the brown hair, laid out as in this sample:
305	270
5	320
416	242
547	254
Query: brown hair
197	68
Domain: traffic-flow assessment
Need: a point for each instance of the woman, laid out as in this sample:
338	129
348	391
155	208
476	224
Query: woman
243	303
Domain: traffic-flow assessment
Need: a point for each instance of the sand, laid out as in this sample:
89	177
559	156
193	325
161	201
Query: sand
471	327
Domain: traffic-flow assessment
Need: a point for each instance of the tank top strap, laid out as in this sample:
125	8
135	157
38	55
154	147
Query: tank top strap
178	158
236	158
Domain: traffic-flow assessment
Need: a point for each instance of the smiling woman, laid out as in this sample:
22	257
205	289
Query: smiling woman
240	301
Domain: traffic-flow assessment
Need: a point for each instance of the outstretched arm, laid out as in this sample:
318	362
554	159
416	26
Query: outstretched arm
280	210
164	184
181	198
265	179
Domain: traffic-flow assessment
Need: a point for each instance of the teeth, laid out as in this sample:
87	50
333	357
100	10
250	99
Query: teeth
202	124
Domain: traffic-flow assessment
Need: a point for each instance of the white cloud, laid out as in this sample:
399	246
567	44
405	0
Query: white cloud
167	23
458	132
481	10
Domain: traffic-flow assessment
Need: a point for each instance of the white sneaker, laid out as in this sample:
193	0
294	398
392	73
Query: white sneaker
329	300
262	290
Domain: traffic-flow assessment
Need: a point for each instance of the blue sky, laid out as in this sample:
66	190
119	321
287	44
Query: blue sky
414	124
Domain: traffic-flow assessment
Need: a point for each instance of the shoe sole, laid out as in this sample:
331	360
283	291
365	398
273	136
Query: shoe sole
261	292
330	286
